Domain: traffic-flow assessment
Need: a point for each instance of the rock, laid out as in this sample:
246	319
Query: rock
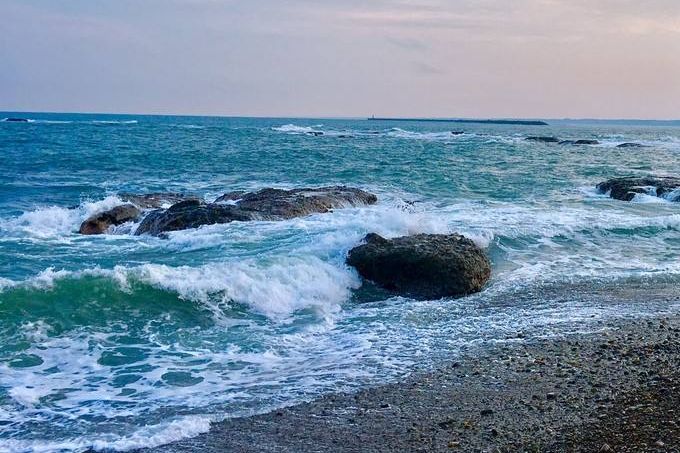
579	142
424	266
154	200
266	204
16	120
277	204
626	188
99	223
544	139
457	132
189	214
630	145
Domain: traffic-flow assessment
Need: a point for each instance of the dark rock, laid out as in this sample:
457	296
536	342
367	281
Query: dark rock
154	200
266	204
189	214
579	142
626	188
16	120
99	223
544	139
630	145
457	132
277	204
424	266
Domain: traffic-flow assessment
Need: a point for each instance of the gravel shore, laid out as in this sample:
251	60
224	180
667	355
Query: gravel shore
615	390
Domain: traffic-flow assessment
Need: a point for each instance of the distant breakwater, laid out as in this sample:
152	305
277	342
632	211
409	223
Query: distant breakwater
469	121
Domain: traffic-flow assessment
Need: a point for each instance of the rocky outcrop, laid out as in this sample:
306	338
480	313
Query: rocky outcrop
630	145
154	200
424	266
99	223
626	188
265	204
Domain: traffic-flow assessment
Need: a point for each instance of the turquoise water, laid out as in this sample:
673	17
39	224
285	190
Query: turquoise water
123	341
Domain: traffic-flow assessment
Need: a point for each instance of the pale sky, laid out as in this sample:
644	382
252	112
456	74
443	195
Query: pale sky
435	58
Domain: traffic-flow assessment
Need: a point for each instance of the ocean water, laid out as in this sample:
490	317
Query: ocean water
121	341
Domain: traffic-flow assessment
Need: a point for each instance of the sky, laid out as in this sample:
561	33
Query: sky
346	58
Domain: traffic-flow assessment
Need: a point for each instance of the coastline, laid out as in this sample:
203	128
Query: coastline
613	390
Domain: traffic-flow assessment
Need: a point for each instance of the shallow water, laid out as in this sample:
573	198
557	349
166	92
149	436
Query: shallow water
122	341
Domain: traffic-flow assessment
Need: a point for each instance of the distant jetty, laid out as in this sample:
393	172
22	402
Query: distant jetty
442	120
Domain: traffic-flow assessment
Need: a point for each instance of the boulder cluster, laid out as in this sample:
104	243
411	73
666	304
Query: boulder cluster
627	188
423	266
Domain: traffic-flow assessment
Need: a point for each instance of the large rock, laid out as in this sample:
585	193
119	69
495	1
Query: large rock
99	223
626	188
424	266
266	204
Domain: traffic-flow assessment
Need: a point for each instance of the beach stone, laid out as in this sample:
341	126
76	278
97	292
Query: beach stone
423	266
543	139
626	188
99	223
266	204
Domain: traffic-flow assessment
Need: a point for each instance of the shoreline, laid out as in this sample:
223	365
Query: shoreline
613	390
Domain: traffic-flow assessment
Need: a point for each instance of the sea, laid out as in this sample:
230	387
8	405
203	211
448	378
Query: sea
117	342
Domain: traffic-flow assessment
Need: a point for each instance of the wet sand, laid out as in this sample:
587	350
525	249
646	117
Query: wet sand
614	390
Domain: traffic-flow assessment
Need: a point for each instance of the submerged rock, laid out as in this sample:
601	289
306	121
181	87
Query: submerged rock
99	223
457	132
265	204
630	145
579	142
16	120
424	266
154	200
626	188
544	139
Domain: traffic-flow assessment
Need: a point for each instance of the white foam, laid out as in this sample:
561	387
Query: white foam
54	221
294	129
146	437
275	289
114	121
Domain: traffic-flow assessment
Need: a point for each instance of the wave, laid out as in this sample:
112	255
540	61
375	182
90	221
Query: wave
276	288
149	436
294	129
55	221
114	121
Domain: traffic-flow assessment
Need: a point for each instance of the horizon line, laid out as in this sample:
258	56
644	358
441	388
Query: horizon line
330	117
